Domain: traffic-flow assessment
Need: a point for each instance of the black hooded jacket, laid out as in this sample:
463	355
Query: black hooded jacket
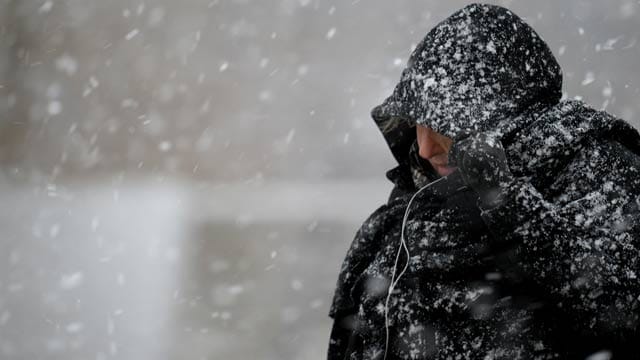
549	273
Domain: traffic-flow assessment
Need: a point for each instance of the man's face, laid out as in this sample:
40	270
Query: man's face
434	147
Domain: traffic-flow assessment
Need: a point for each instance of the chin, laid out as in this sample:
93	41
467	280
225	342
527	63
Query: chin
445	170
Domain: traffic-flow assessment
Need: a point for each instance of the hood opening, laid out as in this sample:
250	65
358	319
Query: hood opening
475	71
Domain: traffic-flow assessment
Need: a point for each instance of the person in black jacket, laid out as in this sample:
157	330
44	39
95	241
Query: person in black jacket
525	243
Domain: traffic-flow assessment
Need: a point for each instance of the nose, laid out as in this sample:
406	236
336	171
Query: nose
428	147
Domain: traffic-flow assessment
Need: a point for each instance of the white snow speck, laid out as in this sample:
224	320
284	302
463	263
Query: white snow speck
397	62
581	31
129	103
95	222
165	146
303	70
609	44
113	348
562	50
430	82
600	355
67	64
589	77
54	231
236	289
631	274
290	136
75	327
414	329
156	16
296	284
54	108
315	304
225	315
46	7
331	33
491	47
132	34
265	96
71	281
223	66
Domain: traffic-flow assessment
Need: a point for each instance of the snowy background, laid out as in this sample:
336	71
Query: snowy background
181	179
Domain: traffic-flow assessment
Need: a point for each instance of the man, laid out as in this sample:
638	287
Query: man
528	245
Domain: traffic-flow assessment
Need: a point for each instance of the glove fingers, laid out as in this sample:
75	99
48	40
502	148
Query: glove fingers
458	150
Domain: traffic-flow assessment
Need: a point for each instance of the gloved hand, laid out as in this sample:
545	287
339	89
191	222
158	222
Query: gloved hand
482	162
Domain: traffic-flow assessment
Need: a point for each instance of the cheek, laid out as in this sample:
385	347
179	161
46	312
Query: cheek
445	145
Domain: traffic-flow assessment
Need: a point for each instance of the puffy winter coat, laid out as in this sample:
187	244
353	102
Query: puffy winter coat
549	273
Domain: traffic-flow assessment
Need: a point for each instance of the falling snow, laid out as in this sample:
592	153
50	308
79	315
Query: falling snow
175	173
131	34
331	33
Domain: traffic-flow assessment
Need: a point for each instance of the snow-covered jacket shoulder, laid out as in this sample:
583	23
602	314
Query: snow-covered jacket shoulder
576	234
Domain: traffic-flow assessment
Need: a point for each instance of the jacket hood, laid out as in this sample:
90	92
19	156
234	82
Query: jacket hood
472	72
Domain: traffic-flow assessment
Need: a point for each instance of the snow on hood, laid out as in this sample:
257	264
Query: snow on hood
472	72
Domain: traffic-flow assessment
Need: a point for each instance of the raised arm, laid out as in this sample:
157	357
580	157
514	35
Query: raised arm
585	251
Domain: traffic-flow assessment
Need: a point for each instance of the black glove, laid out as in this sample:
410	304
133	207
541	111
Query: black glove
482	162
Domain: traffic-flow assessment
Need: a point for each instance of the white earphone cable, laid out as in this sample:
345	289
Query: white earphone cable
394	281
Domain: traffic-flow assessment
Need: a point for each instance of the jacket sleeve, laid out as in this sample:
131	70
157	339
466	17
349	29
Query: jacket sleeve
583	251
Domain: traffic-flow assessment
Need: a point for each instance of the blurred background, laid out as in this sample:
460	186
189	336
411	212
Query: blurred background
182	179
